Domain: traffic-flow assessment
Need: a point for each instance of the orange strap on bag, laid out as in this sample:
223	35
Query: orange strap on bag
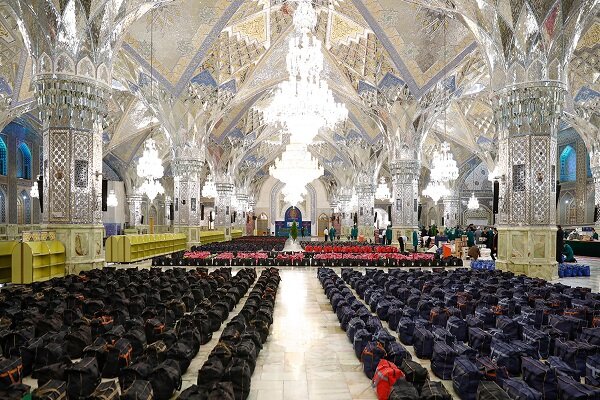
10	374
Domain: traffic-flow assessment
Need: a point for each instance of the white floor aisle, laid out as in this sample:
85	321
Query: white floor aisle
307	355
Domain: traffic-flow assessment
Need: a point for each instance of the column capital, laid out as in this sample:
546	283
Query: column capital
133	198
409	167
73	99
530	108
224	188
187	168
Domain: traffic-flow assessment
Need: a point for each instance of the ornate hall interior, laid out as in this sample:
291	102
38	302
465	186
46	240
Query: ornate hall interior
244	134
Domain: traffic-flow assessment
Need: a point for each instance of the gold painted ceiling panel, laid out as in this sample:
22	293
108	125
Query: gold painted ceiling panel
179	31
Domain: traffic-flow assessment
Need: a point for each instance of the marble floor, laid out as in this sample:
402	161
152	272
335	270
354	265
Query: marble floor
307	355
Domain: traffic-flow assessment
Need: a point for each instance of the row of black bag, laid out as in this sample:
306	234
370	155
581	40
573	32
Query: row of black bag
141	326
227	373
373	343
509	322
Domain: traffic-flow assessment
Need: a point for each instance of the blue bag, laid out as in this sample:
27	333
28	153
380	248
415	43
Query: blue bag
394	315
457	327
361	338
592	367
397	353
569	389
423	342
442	360
506	355
406	328
444	335
463	350
370	357
518	389
480	340
562	368
508	326
539	339
383	306
354	325
384	337
465	378
574	353
540	376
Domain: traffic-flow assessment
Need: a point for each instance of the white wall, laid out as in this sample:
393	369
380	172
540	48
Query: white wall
119	213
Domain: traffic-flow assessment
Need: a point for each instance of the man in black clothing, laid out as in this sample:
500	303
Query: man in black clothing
560	244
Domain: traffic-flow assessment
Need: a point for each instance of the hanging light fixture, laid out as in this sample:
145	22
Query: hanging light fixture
436	190
296	168
304	104
209	189
383	190
150	168
473	203
111	199
34	192
444	168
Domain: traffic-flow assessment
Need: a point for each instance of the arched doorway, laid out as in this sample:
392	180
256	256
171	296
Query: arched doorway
262	225
323	223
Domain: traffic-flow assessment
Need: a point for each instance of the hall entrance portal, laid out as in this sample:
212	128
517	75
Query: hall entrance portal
262	225
323	223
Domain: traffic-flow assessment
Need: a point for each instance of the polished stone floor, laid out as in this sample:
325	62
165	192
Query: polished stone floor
307	355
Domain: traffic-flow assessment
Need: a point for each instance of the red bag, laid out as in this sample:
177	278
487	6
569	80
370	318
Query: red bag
386	375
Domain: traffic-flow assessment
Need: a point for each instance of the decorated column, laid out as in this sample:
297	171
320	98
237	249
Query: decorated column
168	202
366	209
242	211
528	118
187	190
134	204
346	207
405	192
72	108
223	208
595	167
451	210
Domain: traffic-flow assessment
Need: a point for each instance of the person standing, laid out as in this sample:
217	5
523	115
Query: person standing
594	234
400	241
332	234
490	242
560	244
415	240
470	238
326	233
477	235
302	231
388	235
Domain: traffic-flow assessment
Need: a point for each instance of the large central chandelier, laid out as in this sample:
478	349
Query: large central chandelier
444	168
473	203
383	190
150	168
296	168
304	104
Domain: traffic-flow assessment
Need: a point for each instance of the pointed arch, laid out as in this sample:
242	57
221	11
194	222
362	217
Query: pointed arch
3	157
23	161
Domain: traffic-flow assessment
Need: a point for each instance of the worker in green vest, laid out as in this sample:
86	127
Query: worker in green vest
569	255
470	238
388	235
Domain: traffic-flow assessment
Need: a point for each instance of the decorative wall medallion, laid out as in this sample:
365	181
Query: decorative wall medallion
80	245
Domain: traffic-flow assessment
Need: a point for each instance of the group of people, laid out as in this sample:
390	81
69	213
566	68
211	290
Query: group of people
476	236
330	233
564	252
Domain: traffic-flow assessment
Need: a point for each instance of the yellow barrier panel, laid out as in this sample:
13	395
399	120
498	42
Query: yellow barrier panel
38	261
6	250
133	248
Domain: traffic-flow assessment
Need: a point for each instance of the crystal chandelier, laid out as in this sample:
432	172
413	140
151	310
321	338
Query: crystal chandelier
444	168
473	203
304	104
383	191
34	192
209	189
111	199
296	168
150	168
436	190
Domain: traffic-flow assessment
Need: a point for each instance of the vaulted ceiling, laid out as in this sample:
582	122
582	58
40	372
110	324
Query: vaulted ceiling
215	64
